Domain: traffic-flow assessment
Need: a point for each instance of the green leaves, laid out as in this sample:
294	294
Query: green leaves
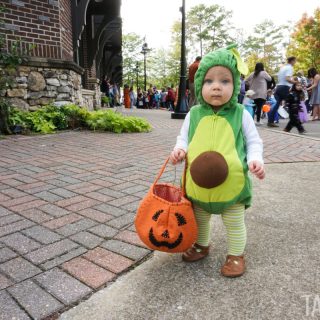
51	118
108	120
305	41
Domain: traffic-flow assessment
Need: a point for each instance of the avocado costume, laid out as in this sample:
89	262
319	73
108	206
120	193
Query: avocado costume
217	174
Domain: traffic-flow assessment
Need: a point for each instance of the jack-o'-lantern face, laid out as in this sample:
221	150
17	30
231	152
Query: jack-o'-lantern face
166	239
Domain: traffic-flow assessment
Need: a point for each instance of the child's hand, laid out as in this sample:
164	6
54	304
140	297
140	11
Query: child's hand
256	167
177	155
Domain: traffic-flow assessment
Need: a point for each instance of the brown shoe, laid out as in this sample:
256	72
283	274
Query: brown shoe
233	267
195	253
272	125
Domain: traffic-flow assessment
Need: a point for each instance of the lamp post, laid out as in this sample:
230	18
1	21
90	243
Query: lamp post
182	105
144	51
137	74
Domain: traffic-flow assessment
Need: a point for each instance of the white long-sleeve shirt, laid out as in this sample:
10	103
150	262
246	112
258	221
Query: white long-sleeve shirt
253	141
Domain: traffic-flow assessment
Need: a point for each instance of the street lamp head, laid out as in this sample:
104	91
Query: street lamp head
145	48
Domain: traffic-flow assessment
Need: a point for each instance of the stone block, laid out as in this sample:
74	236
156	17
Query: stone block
37	302
108	260
19	269
17	93
50	251
88	272
104	231
6	254
65	257
62	286
53	82
22	86
4	283
10	309
49	73
20	243
54	210
44	101
63	96
42	234
87	239
64	89
36	81
125	249
78	226
122	221
114	211
21	79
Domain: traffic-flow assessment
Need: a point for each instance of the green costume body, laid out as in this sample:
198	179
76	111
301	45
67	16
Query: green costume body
220	132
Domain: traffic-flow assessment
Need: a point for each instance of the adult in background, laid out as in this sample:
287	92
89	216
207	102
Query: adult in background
192	71
285	81
132	97
170	98
126	96
315	94
242	89
258	83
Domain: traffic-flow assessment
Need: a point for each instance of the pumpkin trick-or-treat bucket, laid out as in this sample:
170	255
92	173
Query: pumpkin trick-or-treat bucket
165	219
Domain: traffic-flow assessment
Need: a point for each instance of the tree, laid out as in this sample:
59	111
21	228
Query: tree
164	65
305	41
208	27
131	52
265	45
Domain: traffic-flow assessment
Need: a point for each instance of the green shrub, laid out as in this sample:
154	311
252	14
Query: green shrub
76	116
110	121
50	118
105	100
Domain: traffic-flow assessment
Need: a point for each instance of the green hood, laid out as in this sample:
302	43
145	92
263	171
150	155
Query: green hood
221	57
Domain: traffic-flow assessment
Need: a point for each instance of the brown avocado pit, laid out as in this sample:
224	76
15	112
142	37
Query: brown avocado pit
209	169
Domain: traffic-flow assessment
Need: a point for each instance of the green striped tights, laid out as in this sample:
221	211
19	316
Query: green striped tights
233	219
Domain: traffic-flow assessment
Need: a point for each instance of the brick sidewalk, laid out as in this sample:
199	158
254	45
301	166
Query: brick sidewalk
67	205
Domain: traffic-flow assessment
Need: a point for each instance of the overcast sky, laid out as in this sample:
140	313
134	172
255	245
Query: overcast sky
154	18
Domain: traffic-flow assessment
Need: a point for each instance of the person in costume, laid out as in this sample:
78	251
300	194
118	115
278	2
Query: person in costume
221	144
293	101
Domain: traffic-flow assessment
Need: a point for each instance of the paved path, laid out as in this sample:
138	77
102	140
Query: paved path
67	204
282	256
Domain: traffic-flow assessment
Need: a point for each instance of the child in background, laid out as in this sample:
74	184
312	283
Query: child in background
271	100
223	145
248	102
293	102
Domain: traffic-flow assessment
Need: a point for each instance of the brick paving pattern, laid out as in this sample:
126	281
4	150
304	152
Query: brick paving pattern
67	206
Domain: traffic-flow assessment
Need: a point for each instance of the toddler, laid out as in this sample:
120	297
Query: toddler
295	97
249	103
222	144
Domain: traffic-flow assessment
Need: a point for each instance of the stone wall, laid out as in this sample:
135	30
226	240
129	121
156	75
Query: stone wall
35	86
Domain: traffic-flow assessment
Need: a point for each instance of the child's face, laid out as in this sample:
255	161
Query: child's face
298	86
217	88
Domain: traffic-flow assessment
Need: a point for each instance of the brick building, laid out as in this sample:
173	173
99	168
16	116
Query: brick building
70	45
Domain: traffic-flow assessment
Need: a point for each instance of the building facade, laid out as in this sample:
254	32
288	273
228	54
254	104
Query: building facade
70	46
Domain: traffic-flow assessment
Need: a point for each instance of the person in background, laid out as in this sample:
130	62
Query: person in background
285	81
140	99
293	102
248	102
126	96
242	89
271	101
315	93
163	98
170	98
192	71
132	97
157	98
258	83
